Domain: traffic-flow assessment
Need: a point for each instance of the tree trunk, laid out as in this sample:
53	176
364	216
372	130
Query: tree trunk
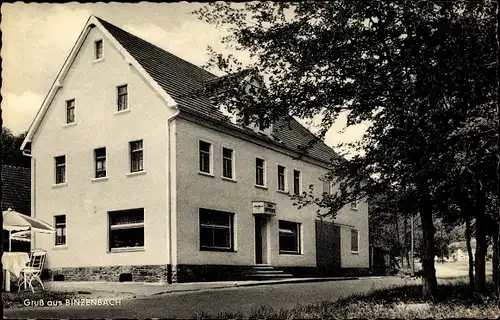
468	236
399	244
405	243
495	261
429	272
481	243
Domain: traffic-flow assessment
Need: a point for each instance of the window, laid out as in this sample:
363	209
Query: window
136	156
98	49
216	230
327	187
126	229
289	237
354	240
122	97
296	182
100	162
354	205
205	155
70	111
60	223
227	163
60	169
260	172
281	178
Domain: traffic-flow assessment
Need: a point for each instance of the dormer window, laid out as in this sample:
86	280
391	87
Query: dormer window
98	49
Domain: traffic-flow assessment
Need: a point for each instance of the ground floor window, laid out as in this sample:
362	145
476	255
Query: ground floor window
216	230
289	237
126	229
354	240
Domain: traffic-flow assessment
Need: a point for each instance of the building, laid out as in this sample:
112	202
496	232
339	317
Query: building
143	181
16	195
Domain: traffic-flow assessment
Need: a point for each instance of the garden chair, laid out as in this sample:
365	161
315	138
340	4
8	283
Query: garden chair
33	270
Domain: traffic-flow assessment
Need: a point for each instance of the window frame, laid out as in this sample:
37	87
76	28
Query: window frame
131	155
119	102
70	106
284	175
232	159
231	228
125	226
298	236
354	205
98	159
64	170
297	186
357	240
98	55
210	157
64	228
264	172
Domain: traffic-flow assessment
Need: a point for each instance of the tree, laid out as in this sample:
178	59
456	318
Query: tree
11	154
412	68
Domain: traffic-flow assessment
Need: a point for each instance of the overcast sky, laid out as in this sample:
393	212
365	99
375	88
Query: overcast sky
37	38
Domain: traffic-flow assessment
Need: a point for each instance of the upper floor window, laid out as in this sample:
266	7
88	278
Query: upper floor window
354	240
60	168
122	97
100	162
354	205
205	157
327	187
126	229
281	178
260	172
136	156
60	224
70	111
98	49
227	163
216	230
296	182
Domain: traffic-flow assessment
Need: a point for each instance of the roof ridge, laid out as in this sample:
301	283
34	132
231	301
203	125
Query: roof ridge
168	52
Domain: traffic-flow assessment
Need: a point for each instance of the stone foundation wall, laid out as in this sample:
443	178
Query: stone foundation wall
145	273
211	272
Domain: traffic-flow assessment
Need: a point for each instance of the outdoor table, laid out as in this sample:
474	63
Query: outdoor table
13	262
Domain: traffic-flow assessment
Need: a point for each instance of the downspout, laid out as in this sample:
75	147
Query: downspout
169	192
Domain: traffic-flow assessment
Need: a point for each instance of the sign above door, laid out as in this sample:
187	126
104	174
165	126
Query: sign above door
264	208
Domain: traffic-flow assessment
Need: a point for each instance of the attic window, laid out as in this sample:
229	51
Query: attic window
98	49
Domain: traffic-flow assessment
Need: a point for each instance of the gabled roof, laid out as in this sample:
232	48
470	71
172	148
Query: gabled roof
16	189
181	83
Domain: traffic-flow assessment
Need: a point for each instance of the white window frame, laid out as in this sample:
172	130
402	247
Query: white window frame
130	155
285	178
70	104
231	228
210	158
299	238
300	182
264	173
65	231
127	106
96	58
233	165
65	175
354	205
105	162
357	238
126	226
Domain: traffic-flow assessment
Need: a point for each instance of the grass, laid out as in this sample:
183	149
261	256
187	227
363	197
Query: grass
454	300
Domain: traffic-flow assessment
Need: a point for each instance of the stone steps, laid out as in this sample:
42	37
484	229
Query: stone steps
266	272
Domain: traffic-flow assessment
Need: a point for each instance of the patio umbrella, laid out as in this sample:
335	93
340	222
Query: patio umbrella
15	221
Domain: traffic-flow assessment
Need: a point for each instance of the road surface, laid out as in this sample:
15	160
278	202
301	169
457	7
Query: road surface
186	304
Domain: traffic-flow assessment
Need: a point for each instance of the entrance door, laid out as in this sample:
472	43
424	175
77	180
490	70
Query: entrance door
258	239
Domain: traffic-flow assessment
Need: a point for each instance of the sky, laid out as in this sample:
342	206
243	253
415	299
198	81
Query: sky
37	38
